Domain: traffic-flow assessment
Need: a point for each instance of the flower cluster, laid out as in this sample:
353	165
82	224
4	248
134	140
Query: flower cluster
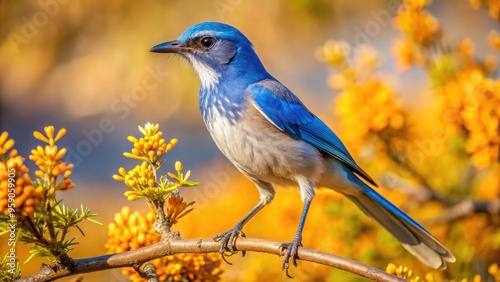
479	113
401	272
143	179
494	271
44	222
48	159
468	97
131	231
494	39
406	273
493	7
359	86
420	29
12	166
359	121
177	208
419	26
151	147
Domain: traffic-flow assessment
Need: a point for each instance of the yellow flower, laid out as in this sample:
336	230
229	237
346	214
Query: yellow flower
177	208
494	39
49	159
49	138
131	231
419	26
472	101
151	147
178	166
466	48
5	145
358	119
17	195
416	4
405	53
334	53
494	271
401	272
366	58
139	178
475	4
494	9
490	63
149	129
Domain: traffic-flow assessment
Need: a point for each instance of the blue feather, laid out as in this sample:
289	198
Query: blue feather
283	109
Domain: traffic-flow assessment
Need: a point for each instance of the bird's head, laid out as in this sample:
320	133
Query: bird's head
216	51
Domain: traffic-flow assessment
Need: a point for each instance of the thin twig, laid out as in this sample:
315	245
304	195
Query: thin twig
178	246
457	208
433	194
467	207
148	271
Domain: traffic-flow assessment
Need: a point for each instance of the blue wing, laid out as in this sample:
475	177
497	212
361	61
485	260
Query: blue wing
285	111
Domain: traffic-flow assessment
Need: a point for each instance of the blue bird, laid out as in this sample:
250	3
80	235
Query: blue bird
274	140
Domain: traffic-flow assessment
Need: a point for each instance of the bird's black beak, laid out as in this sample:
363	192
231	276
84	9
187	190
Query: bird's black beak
168	47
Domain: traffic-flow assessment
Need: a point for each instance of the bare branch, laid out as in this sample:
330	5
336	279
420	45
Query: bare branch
466	207
426	187
148	271
456	208
177	246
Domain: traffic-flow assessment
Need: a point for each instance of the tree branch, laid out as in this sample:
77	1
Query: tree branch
456	209
466	207
148	271
426	187
177	246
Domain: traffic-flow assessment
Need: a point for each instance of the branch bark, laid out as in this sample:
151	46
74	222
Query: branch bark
467	207
456	208
177	246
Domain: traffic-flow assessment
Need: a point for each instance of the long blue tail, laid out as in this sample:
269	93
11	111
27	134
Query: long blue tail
415	238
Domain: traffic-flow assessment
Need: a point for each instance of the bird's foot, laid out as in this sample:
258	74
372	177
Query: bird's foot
290	251
227	241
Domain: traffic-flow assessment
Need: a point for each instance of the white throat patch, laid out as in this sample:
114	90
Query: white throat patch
208	77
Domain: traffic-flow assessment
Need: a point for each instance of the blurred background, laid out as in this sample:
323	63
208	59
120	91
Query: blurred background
86	66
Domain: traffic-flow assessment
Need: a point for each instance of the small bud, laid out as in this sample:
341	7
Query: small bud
40	174
122	171
178	166
60	134
49	131
132	197
4	136
132	139
8	145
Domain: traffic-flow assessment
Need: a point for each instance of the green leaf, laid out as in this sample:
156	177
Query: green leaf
95	221
33	254
190	183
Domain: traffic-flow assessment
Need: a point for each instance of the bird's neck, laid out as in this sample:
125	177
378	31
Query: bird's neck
224	100
223	88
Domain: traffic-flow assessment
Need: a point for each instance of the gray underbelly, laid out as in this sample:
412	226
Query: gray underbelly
265	153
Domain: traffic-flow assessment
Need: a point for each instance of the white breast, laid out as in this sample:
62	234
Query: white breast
208	77
261	150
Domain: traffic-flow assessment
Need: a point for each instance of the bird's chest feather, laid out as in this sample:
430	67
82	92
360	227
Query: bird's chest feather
240	141
259	149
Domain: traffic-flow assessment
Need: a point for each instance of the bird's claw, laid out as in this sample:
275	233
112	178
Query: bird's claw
227	241
289	251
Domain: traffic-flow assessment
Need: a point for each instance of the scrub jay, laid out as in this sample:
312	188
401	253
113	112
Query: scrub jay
274	140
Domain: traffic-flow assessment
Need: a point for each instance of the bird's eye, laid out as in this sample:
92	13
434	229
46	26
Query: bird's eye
207	42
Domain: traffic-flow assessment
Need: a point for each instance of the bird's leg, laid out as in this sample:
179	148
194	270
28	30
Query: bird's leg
290	250
228	239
